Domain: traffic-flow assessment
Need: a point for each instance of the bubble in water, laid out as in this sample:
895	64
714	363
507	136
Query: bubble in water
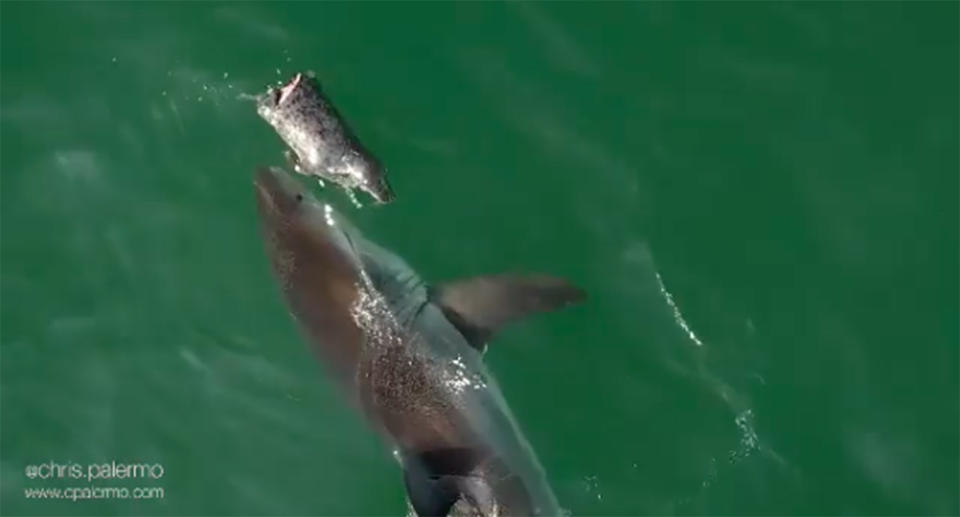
676	312
749	441
711	474
226	75
593	485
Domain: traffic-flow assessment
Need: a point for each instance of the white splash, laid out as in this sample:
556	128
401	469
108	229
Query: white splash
373	316
676	312
313	156
328	215
592	484
460	378
749	441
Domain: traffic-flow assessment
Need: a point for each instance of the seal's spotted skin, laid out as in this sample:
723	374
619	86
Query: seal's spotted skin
320	142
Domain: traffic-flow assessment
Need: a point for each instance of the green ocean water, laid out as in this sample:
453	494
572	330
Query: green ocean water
760	198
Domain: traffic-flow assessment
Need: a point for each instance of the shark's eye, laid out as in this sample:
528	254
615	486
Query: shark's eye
299	197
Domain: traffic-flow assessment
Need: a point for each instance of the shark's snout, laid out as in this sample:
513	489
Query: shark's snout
277	192
294	220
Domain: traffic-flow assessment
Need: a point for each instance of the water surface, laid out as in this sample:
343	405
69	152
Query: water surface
760	198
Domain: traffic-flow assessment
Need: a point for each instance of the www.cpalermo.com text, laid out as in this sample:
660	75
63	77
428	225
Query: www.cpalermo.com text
94	492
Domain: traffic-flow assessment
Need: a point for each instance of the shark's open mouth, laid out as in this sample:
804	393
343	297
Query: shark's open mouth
288	89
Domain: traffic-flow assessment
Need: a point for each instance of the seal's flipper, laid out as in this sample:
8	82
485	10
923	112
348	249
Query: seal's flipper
480	306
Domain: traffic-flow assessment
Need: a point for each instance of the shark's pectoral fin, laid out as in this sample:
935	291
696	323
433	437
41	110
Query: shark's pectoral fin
480	306
463	481
430	496
435	480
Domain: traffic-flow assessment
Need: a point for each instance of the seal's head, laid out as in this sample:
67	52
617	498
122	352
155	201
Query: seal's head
366	173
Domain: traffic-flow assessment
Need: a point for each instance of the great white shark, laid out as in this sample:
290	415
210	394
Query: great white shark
410	355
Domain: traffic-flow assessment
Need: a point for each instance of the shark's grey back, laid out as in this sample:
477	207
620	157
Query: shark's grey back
457	372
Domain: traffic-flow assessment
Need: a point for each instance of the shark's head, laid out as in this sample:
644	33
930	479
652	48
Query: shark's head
305	237
315	261
280	198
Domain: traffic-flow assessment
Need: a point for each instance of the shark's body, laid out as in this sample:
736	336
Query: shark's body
410	356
